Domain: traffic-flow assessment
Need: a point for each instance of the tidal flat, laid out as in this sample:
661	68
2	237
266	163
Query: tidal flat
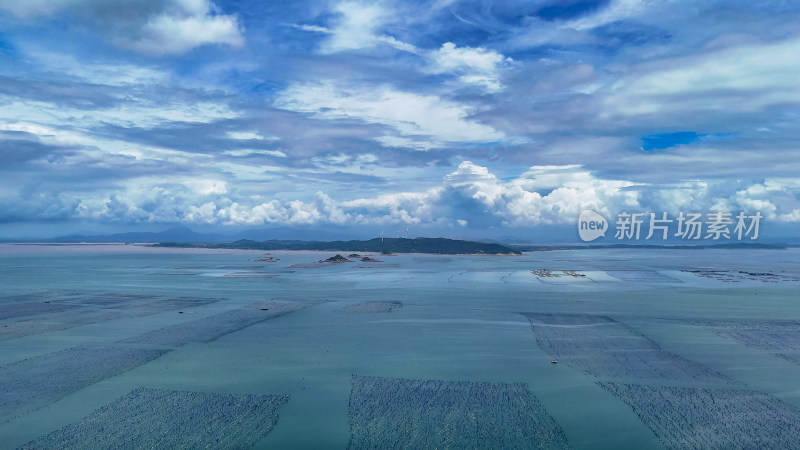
606	348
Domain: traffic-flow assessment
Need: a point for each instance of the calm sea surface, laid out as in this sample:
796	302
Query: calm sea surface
639	336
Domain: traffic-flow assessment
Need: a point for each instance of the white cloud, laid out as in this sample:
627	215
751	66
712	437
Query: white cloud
476	66
176	27
135	112
355	27
426	117
205	213
46	134
312	28
120	75
483	199
245	135
171	33
556	195
793	216
341	159
737	79
515	203
207	187
400	45
450	58
398	141
358	27
295	212
617	10
471	196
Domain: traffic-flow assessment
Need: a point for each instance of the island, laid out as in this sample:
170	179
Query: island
384	246
335	259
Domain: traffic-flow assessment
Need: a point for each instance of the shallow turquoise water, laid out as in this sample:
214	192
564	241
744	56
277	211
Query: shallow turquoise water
461	320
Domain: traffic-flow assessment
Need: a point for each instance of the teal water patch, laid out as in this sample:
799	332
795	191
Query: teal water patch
406	413
160	418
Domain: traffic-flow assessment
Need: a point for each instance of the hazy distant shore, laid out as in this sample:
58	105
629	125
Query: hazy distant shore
389	245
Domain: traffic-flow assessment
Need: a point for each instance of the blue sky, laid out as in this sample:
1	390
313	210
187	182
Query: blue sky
458	118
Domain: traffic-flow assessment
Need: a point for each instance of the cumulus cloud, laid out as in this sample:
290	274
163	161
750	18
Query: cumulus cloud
542	195
187	28
470	196
20	206
476	66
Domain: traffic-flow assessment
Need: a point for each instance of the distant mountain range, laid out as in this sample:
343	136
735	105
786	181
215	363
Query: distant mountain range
668	246
298	237
388	245
185	234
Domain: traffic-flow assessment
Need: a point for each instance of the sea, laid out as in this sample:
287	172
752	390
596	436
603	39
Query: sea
129	345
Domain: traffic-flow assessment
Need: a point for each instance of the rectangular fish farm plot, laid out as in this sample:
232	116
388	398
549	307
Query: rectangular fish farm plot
689	418
777	335
32	383
603	347
642	276
159	418
83	313
393	413
371	306
212	327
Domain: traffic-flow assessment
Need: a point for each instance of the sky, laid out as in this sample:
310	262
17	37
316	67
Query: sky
444	118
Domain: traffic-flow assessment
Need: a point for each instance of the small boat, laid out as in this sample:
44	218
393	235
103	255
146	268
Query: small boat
553	361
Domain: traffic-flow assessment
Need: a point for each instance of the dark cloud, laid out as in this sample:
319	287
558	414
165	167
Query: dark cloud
18	147
59	92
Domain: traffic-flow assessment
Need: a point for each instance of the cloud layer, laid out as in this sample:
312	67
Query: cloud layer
444	115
